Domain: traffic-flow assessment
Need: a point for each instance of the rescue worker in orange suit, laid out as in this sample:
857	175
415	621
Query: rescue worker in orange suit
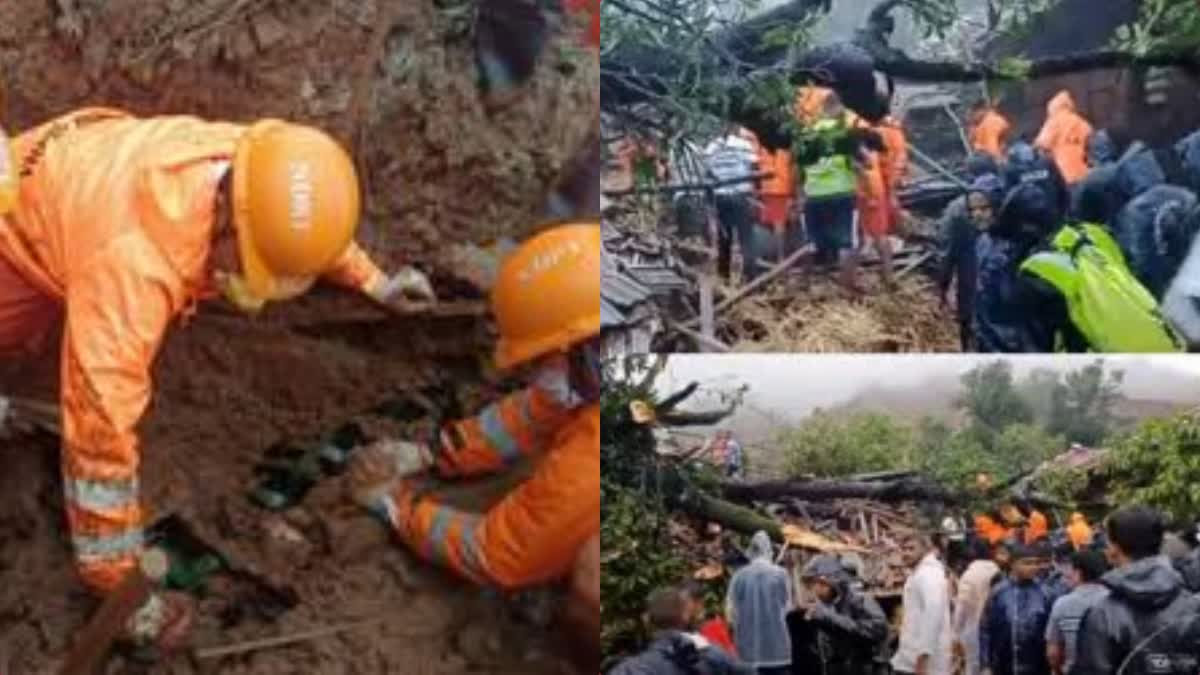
545	301
874	207
895	166
1065	135
989	131
777	194
122	226
988	526
1038	527
1079	532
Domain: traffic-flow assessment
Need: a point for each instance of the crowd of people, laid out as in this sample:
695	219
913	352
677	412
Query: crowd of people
1008	597
1076	242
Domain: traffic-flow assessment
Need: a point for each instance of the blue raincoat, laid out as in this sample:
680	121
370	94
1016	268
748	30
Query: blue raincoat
1012	635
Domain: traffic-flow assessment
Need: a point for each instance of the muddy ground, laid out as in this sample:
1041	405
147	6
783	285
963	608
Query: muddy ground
395	81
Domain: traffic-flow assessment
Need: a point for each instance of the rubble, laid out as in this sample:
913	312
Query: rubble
878	540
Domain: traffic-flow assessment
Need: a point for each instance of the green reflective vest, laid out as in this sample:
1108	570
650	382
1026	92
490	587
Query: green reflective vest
833	174
1106	303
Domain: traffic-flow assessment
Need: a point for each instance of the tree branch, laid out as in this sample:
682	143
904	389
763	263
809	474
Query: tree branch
668	404
695	419
817	490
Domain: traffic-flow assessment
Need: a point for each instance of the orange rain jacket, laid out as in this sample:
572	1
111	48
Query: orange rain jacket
115	223
536	533
895	164
990	529
1038	527
1079	532
1065	135
990	134
778	191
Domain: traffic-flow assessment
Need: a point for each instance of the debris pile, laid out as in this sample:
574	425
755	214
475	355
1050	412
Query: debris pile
811	313
874	538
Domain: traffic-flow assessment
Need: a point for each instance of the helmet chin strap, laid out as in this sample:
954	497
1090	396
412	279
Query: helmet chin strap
585	369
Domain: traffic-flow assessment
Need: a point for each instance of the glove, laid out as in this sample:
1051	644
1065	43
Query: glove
479	265
379	467
164	621
407	290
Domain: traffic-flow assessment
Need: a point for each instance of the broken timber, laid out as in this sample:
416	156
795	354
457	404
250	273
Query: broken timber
818	490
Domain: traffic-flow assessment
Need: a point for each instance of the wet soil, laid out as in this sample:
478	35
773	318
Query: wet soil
395	81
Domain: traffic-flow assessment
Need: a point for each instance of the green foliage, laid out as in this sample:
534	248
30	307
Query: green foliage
1022	447
1082	404
991	399
1063	484
636	562
1159	464
826	445
1161	24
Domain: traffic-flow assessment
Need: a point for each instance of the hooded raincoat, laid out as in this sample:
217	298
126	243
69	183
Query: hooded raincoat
960	236
113	232
1148	625
1065	135
1188	152
759	598
1154	228
847	635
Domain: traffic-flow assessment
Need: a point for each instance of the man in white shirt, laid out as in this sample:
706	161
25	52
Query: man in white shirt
731	157
925	635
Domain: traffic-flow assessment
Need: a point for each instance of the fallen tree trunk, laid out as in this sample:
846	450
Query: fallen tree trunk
729	515
817	490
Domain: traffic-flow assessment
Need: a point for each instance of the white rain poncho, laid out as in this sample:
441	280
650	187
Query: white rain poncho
760	596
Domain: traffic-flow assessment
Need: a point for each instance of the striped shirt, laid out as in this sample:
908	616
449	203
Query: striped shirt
730	158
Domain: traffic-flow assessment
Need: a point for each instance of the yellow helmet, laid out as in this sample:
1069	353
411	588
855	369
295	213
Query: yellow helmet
295	206
547	294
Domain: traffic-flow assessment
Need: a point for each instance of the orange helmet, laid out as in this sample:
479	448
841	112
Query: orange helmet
547	294
295	206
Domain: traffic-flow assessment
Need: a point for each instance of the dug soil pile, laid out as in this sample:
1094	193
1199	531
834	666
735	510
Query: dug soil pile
395	80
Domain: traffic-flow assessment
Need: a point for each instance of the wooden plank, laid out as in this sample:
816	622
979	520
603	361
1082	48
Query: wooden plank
706	309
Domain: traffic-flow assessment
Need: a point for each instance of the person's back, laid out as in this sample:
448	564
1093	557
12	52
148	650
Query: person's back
759	597
1066	616
989	134
675	650
1065	135
732	157
1149	623
679	653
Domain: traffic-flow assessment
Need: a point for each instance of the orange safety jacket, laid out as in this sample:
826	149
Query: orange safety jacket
1065	135
115	222
990	530
1038	527
1079	532
990	134
536	533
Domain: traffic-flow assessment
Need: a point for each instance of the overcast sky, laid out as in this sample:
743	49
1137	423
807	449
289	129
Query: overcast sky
798	382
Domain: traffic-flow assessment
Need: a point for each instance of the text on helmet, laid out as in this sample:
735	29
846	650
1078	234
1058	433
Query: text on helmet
300	195
547	260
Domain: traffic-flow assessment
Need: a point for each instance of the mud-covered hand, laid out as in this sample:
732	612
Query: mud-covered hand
478	265
378	468
164	621
408	290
